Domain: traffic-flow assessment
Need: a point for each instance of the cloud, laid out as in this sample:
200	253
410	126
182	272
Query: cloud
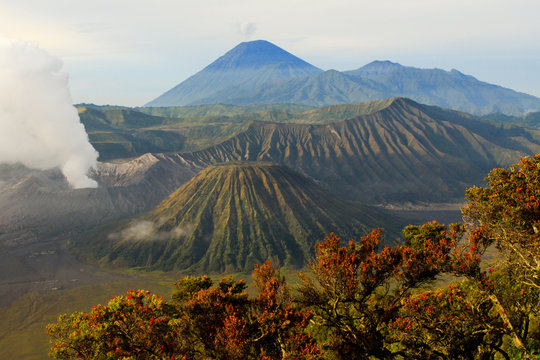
247	30
145	230
138	231
92	27
104	43
39	127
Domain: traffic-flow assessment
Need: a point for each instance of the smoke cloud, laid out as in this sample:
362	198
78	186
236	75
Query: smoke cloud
39	127
247	30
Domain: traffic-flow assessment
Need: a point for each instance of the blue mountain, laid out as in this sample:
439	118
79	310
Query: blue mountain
247	66
449	89
259	72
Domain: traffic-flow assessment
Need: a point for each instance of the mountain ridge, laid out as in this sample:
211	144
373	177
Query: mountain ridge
304	84
355	158
394	154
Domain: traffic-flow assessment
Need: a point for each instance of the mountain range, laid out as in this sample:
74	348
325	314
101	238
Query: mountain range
272	189
393	150
259	72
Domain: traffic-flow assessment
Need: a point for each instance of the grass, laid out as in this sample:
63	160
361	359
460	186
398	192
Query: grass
23	323
22	328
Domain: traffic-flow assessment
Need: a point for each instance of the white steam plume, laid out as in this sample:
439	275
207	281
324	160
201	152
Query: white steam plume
246	29
39	127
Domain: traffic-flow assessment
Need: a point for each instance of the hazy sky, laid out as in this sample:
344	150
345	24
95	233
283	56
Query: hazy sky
128	52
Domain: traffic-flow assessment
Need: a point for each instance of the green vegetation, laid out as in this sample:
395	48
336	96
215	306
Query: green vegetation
529	120
120	132
216	110
361	300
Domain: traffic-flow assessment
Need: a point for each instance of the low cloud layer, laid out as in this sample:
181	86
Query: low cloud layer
147	231
39	127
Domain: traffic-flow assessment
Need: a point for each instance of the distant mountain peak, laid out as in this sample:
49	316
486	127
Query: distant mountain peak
403	100
255	54
382	65
249	64
458	73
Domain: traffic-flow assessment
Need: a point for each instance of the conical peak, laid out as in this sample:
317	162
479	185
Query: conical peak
254	54
258	44
250	170
244	164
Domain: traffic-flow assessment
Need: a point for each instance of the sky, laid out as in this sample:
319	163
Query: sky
128	52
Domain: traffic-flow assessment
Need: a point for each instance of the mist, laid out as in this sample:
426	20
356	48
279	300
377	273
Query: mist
146	230
39	126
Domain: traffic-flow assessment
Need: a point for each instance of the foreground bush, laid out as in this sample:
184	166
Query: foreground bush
205	321
132	326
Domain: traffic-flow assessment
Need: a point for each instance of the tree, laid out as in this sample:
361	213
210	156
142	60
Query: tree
222	322
506	214
213	319
454	322
131	326
206	321
280	326
357	291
